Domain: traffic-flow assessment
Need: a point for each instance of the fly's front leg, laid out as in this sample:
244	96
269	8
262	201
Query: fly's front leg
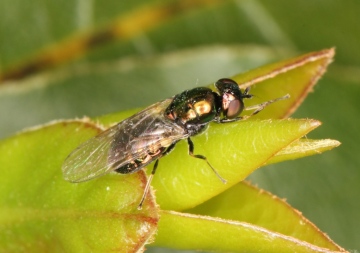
259	107
191	153
147	187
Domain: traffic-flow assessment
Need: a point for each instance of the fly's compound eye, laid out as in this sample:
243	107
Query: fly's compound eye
231	97
231	106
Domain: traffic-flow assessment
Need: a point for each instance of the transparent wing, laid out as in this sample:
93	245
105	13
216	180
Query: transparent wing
132	138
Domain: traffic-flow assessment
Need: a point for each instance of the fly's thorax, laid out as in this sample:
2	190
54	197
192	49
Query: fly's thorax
193	108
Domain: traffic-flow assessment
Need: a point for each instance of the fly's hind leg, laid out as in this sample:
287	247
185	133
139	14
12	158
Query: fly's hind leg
191	153
147	187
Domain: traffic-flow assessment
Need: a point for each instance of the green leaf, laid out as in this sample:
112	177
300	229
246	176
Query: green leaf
302	148
41	212
246	203
215	234
235	150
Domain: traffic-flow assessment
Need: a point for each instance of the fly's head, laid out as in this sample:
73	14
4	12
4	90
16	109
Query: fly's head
231	102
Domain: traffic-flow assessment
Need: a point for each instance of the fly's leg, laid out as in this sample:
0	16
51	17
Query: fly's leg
148	184
191	153
147	187
258	108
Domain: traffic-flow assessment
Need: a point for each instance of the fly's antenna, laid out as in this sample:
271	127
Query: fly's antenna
246	93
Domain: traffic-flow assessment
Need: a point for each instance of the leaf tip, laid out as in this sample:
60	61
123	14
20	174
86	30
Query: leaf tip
314	123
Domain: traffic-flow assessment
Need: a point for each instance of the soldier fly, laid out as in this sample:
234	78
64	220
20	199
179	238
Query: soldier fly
153	132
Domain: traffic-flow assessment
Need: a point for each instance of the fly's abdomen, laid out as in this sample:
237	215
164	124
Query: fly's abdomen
138	163
141	141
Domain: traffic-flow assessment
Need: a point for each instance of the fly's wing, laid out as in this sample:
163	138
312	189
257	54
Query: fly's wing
132	138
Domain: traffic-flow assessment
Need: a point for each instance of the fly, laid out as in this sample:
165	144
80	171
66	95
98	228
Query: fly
153	132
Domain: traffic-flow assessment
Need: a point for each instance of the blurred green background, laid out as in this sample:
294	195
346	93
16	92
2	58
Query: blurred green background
196	46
